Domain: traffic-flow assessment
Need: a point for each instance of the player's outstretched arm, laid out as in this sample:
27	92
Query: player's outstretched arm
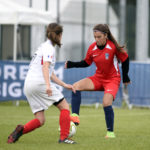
61	83
80	64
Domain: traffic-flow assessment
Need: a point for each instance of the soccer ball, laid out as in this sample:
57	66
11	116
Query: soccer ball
73	129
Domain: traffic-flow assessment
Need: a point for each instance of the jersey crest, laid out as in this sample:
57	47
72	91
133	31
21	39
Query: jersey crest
106	56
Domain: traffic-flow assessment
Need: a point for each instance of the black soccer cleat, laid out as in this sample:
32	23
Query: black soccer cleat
67	141
15	135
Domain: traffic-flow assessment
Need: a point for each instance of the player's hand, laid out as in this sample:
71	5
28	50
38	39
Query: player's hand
66	65
126	84
70	87
49	91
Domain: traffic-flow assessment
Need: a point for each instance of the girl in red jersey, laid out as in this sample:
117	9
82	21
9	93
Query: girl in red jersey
105	53
41	92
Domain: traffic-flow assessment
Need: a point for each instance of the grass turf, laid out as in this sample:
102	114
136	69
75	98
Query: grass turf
132	129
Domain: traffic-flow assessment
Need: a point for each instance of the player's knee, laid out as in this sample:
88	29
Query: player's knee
105	104
107	99
76	86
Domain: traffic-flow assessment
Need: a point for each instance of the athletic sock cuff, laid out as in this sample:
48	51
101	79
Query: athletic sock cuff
65	110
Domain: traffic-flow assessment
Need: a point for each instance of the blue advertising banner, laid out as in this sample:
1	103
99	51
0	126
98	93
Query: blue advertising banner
12	77
139	89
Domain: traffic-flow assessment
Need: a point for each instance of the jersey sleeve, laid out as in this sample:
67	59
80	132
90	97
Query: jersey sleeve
48	54
88	57
122	56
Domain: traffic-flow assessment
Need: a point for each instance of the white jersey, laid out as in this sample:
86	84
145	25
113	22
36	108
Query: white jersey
45	52
35	86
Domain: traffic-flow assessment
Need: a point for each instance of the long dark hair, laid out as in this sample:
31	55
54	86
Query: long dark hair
105	29
53	32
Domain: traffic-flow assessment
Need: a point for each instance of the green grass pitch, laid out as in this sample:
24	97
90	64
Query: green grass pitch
132	129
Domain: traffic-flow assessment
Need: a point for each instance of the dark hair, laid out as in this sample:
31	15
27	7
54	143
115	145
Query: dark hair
105	29
53	32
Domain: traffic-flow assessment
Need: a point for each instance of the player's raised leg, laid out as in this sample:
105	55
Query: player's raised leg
82	85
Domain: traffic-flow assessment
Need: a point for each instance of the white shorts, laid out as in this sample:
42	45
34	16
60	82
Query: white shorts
37	97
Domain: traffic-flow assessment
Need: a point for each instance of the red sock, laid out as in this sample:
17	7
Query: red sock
31	125
64	122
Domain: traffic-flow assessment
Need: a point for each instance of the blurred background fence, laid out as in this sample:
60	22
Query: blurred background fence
12	77
78	17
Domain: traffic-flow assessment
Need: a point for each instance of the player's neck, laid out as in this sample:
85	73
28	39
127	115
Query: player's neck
101	47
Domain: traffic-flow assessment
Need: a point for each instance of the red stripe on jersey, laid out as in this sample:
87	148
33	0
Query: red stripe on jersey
42	61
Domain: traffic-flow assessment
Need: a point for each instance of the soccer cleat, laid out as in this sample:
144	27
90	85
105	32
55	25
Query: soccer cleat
15	135
110	135
67	141
75	119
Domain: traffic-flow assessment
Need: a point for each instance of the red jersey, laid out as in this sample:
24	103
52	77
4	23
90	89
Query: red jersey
106	60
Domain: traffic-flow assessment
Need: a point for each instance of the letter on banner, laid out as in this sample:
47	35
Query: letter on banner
23	71
9	71
14	89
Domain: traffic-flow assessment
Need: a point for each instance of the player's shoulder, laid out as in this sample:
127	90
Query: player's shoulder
110	45
92	46
47	45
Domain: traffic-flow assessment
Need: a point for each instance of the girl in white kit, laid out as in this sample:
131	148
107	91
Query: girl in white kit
41	92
